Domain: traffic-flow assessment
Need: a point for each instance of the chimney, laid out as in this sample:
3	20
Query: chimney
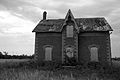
44	15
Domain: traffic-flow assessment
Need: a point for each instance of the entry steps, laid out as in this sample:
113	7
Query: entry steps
69	66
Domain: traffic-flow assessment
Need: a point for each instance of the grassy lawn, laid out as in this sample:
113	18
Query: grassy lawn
13	60
116	63
18	69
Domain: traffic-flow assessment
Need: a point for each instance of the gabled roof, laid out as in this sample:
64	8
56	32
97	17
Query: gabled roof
83	24
69	14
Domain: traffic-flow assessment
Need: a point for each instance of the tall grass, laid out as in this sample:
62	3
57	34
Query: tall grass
27	74
29	70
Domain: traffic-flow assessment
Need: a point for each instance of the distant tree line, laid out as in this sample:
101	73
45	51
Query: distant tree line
116	58
5	55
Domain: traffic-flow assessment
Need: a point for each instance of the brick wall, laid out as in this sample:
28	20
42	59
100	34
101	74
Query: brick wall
53	39
85	39
97	38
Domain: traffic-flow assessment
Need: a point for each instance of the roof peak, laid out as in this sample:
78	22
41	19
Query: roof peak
69	10
69	13
70	16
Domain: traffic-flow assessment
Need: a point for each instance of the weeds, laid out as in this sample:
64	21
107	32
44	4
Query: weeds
30	70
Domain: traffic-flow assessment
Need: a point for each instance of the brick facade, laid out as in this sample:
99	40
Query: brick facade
94	38
66	42
85	39
53	39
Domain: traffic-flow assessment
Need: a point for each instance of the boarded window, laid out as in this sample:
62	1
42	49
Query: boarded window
48	53
94	54
70	31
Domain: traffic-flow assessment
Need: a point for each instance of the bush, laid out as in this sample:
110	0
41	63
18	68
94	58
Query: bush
94	65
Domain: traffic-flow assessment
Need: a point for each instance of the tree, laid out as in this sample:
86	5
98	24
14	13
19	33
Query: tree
6	56
1	55
5	53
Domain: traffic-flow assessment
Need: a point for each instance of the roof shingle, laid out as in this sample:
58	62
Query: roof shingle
84	24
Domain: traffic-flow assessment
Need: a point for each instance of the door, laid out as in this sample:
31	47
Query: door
70	59
94	54
48	53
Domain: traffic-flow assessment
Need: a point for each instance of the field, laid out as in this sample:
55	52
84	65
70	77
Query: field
23	69
13	60
116	63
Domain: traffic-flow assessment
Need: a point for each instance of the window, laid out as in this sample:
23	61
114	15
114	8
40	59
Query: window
69	31
48	53
94	53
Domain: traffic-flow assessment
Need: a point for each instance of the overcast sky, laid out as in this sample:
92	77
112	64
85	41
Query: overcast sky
19	17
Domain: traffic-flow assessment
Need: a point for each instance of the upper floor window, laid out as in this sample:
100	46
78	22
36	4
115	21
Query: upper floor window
70	31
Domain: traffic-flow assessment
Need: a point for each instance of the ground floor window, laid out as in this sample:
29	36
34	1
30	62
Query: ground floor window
94	53
48	53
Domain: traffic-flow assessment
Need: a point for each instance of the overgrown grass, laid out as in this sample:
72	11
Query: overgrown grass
13	60
30	70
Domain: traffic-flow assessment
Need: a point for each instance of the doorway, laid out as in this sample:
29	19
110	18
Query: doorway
70	59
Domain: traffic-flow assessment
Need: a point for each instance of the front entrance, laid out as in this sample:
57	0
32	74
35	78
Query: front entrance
70	41
70	59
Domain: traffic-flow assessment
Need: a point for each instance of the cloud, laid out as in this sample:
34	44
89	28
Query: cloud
16	34
115	45
19	17
27	10
13	24
17	44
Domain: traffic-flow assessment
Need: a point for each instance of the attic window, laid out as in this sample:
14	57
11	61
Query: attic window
70	31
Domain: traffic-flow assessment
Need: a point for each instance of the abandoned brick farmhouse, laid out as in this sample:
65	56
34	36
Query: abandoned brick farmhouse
73	40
